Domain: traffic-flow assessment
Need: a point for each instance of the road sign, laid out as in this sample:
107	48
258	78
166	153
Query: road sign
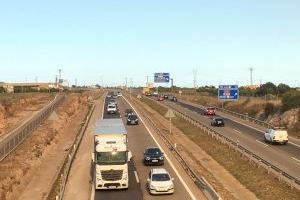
228	92
170	114
161	77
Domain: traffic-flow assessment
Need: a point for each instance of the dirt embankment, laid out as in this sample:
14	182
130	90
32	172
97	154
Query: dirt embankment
15	108
18	169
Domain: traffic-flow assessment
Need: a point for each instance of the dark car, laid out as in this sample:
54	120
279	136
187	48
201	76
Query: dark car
128	112
160	98
166	96
174	99
217	121
153	156
132	120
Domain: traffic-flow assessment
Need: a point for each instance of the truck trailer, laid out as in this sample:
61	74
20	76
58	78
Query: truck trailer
111	155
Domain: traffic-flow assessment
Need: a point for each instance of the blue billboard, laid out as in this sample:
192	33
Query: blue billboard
161	77
228	92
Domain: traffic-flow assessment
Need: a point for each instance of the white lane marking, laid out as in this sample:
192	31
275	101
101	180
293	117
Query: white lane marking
93	191
262	143
136	177
166	156
237	131
294	144
295	159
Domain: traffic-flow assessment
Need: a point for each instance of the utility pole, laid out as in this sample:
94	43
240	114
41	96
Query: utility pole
130	86
147	81
195	74
126	82
171	84
251	71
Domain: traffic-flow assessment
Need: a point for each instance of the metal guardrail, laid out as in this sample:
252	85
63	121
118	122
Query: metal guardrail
63	174
14	138
245	117
281	174
199	181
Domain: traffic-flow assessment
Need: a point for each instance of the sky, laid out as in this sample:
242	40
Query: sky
103	42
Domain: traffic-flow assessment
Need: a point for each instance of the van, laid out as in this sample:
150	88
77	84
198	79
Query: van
277	135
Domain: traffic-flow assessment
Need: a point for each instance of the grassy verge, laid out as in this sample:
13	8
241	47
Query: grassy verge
254	178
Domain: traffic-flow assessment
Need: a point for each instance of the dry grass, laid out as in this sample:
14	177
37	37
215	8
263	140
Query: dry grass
254	178
254	106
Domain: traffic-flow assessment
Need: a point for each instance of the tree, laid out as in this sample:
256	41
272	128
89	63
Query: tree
267	88
283	88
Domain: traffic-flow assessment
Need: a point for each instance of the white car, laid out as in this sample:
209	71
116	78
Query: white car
119	94
276	135
112	102
111	109
160	182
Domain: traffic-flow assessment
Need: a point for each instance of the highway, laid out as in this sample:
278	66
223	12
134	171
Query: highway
286	157
138	139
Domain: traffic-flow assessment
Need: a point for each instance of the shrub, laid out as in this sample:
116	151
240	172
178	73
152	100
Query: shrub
290	100
269	109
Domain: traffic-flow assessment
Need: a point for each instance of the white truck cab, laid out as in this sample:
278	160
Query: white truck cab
110	156
276	135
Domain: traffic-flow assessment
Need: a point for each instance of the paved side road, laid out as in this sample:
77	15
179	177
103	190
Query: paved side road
79	182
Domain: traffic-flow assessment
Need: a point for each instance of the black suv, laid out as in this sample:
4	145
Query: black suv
217	121
153	156
174	99
132	120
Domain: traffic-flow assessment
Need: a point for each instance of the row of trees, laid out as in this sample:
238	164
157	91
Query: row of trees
265	89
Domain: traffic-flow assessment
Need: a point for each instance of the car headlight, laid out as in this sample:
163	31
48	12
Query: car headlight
136	120
161	158
98	177
171	186
147	158
125	176
152	187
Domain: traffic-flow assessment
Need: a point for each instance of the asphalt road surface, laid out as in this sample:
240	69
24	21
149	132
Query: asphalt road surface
138	139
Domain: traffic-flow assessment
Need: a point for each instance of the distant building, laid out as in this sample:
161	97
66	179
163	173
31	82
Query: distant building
251	87
12	87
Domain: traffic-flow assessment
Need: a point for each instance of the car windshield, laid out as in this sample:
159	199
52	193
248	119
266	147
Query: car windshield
219	120
111	106
153	151
132	117
160	177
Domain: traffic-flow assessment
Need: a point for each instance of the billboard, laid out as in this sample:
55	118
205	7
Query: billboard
161	77
228	92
